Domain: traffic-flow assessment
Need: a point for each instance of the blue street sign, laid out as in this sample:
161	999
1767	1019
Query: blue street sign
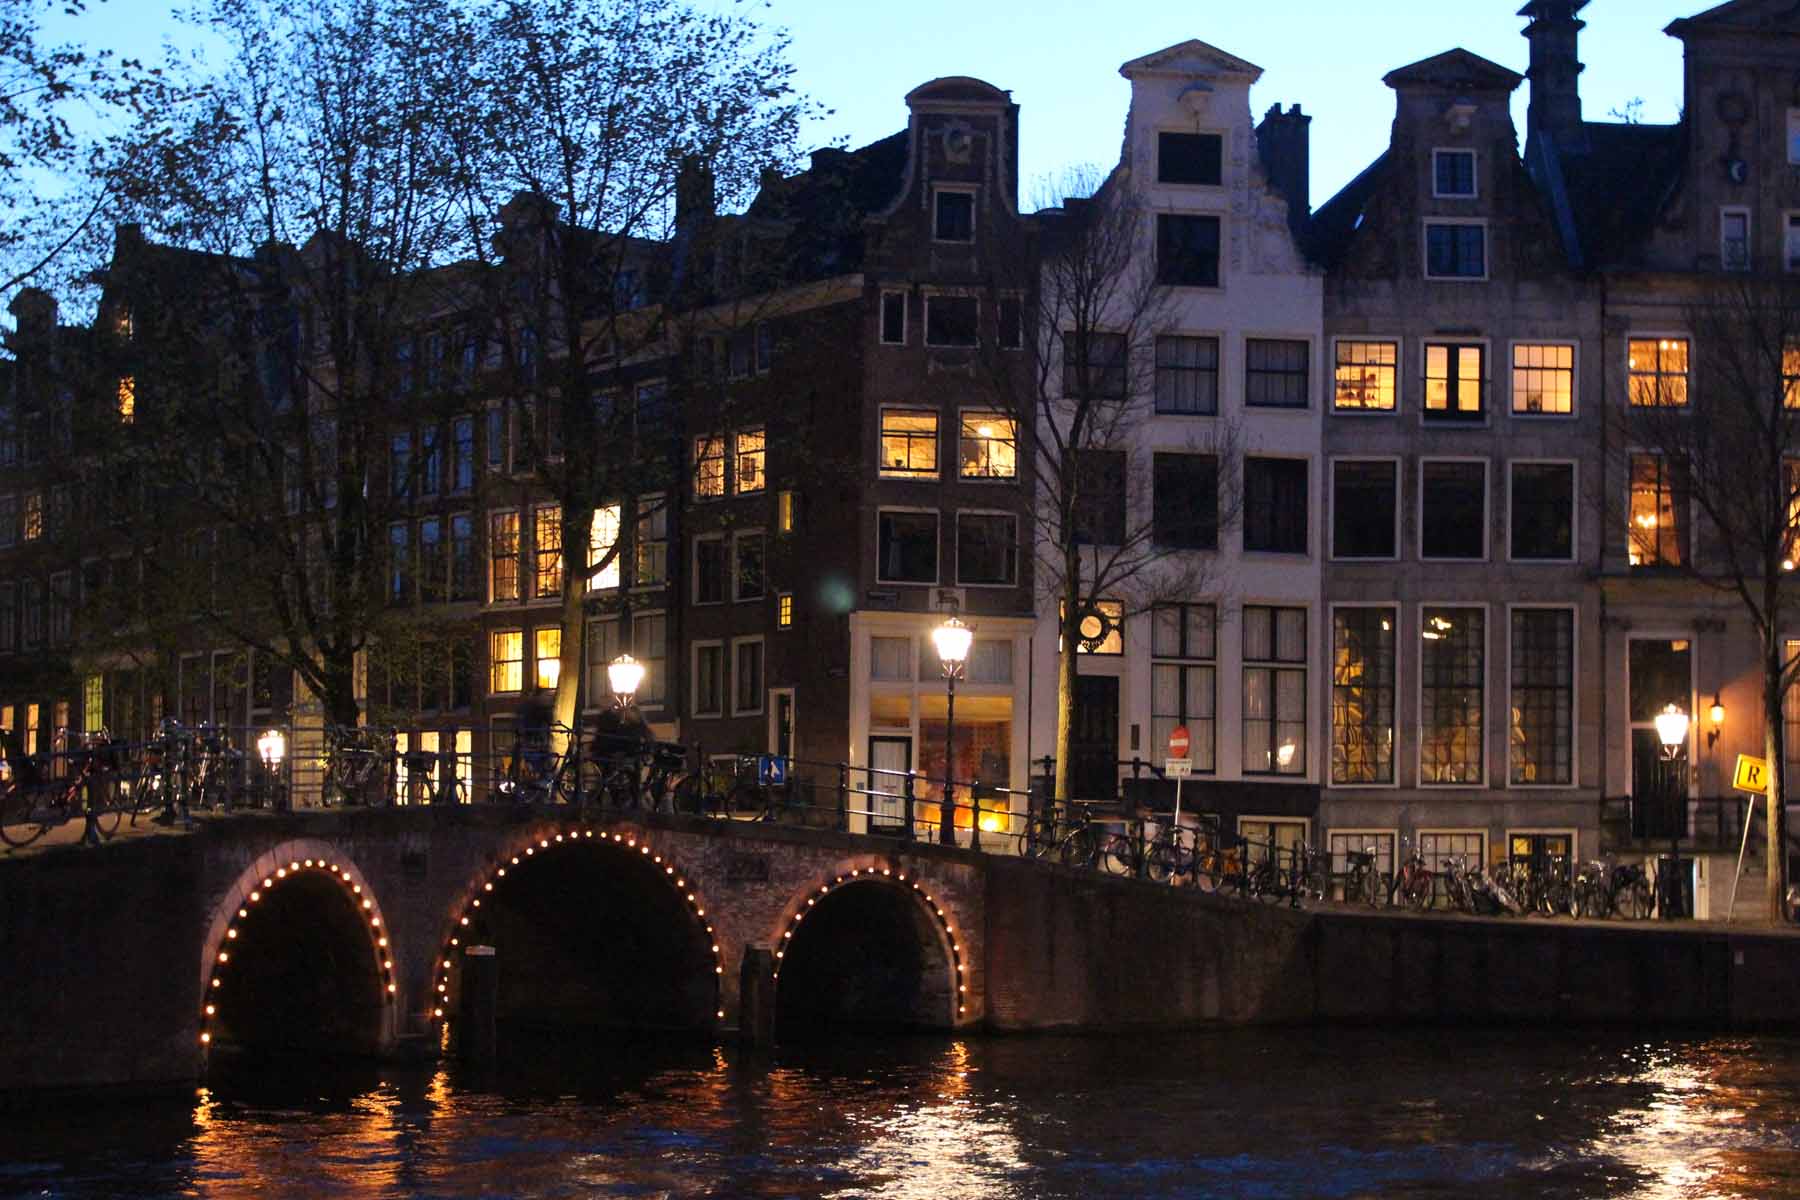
771	770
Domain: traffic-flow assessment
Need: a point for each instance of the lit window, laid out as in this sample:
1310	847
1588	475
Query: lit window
1455	251
1452	667
547	551
750	462
549	656
988	449
1363	694
909	443
34	516
503	556
506	665
1658	370
784	512
784	610
652	541
603	535
1453	379
1102	628
1658	530
1543	379
127	398
1367	379
1790	375
709	467
1274	690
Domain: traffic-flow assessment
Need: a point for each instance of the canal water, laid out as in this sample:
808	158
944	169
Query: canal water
1264	1114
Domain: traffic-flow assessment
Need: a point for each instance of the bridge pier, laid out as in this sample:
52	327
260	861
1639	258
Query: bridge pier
756	996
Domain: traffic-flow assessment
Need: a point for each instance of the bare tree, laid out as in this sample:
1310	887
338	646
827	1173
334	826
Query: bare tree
1725	448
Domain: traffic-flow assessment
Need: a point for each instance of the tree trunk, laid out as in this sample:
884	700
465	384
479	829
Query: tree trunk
1067	668
575	534
339	699
1776	879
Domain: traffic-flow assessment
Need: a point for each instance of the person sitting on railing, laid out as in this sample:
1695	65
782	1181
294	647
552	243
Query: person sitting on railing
621	741
532	762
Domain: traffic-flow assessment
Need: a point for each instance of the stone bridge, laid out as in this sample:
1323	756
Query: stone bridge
346	931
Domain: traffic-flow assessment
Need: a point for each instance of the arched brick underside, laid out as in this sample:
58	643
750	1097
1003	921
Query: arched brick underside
298	960
870	950
590	929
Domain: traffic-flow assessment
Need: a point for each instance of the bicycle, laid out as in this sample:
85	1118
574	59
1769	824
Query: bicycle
1073	841
355	762
1363	883
1602	889
536	774
34	801
1414	884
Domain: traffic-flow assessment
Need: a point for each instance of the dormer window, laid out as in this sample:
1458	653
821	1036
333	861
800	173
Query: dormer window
954	216
1453	174
1455	250
1190	158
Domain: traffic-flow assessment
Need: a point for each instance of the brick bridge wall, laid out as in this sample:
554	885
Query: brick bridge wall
109	954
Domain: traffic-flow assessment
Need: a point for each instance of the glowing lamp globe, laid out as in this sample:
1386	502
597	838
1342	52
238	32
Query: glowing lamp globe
953	640
1671	727
626	675
272	748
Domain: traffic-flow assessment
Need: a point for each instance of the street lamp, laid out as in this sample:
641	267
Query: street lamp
953	640
626	675
1672	730
271	748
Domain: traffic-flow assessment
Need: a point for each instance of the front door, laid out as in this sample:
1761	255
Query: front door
889	759
1094	740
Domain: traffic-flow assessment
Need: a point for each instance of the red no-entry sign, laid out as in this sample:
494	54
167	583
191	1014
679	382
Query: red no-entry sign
1178	742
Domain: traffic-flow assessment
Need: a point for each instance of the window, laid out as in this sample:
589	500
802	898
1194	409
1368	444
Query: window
1541	745
547	642
709	570
953	218
1194	158
33	524
1542	518
1658	372
1184	501
747	566
1454	375
546	551
602	647
785	512
751	460
1187	250
1438	847
1274	691
1659	672
1790	375
1734	239
890	659
893	318
1366	377
462	443
1099	508
31	624
603	562
1793	136
506	660
1102	628
400	464
1453	174
93	704
9	618
1187	375
1658	531
1275	373
503	556
1455	251
1543	379
1094	365
988	448
1362	694
709	467
1793	241
1452	662
431	463
907	547
909	443
9	520
649	645
1365	505
746	677
986	549
462	557
709	679
496	438
431	559
1011	317
126	401
784	610
1452	510
1275	505
1184	679
62	607
652	549
952	321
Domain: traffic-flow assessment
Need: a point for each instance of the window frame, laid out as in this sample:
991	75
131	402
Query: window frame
739	453
1661	633
1218	135
1457	417
738	538
1337	364
1487	507
1157	367
1397	685
762	686
1686	376
933	294
881	336
494	635
1513	368
973	192
1474	192
1274	666
909	474
963	416
1157	528
1419	732
956	547
1574	611
1574	466
1219	258
1307	383
1184	661
938	555
517	556
537	658
718	538
648	699
700	444
1305	551
694	695
1749	255
1398	464
538	575
1680	504
1487	256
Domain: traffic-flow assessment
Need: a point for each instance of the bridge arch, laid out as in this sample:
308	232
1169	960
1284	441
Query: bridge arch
593	926
872	944
298	957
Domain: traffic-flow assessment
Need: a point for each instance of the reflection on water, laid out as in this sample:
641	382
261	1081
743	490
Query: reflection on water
1272	1114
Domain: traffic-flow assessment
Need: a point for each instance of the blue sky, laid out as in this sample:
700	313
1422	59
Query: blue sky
1060	58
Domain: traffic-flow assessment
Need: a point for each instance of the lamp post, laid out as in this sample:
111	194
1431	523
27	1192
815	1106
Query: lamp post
953	640
625	674
271	748
1671	731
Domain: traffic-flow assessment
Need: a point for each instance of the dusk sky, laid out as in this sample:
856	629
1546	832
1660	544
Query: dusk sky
1060	59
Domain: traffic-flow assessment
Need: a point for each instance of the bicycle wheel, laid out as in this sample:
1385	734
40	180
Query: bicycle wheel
1555	899
1118	854
1079	848
1420	891
20	822
1040	837
1163	862
1634	901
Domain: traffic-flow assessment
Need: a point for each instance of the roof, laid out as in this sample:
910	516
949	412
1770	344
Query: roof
1336	221
1190	58
1455	70
1607	197
1762	16
823	207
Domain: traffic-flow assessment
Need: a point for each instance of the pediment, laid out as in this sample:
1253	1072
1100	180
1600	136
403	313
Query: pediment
1454	70
1741	16
1193	59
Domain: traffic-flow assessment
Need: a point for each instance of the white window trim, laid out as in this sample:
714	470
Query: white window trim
647	501
1312	508
1568	831
524	589
956	546
1331	507
1487	699
1631	451
1224	220
1224	136
737	488
1452	831
986	480
1312	370
970	190
1574	379
736	537
938	576
1395	607
1664	634
951	293
1305	823
881	318
694	566
774	710
1574	466
1474	173
725	441
1574	704
1399	345
1487	506
1426	418
1487	249
526	651
694	649
882	470
1737	210
762	692
647	614
1669	335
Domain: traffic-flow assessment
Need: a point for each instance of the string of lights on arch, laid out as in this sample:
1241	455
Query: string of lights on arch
863	875
365	907
548	841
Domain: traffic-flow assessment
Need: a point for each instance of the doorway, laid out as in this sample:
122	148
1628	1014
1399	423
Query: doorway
1094	740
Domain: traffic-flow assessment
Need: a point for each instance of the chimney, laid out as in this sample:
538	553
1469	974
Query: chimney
1284	144
35	311
1555	73
695	201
